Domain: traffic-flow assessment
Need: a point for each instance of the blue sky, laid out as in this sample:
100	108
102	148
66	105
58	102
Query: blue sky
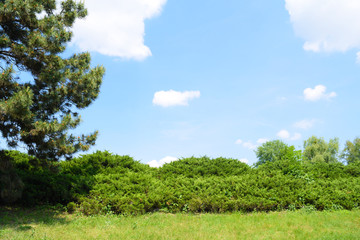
218	78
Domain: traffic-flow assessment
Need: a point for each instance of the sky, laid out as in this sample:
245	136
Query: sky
219	78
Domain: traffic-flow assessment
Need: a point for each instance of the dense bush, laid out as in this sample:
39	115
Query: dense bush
106	183
43	181
11	185
200	167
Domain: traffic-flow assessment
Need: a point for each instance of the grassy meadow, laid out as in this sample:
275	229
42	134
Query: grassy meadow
302	224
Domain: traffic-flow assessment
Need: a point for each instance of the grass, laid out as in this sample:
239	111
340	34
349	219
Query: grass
51	224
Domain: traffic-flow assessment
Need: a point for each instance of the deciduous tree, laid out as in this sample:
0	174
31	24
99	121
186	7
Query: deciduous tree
275	150
351	151
318	150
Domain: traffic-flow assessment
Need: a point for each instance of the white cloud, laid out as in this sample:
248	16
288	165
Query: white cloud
326	25
154	163
116	27
174	98
244	160
318	93
284	134
305	124
239	141
168	159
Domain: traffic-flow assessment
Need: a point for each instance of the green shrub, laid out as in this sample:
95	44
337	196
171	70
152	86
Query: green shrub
353	169
90	206
104	183
71	207
204	166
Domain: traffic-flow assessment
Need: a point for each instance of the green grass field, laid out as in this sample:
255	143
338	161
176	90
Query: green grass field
49	224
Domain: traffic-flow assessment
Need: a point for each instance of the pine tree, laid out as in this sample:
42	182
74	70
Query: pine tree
39	112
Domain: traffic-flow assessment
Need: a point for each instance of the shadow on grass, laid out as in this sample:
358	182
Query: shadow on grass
21	219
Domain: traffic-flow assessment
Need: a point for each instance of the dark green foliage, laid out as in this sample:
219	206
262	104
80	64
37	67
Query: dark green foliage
102	183
43	181
85	168
47	182
197	167
71	207
11	186
99	162
39	112
353	169
198	185
321	170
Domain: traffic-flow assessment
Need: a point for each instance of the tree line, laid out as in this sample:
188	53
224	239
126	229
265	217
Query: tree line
317	177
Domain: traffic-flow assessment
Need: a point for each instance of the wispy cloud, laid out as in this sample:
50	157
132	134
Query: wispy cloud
305	124
116	27
249	145
318	93
295	137
174	98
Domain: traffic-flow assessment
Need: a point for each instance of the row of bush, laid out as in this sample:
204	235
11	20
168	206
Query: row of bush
103	182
